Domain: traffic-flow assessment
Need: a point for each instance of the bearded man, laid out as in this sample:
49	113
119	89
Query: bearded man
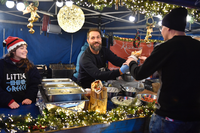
93	62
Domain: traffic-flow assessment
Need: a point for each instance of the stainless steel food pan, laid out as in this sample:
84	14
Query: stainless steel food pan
46	100
56	80
59	84
69	94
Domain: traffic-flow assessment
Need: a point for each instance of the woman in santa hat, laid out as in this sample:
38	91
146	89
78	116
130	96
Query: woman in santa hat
19	78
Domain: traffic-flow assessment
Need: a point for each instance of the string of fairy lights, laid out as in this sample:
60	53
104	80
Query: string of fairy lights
147	7
60	119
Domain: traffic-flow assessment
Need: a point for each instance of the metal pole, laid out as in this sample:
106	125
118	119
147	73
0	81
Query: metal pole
70	60
3	40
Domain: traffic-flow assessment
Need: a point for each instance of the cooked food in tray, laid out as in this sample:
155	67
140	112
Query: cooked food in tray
125	101
65	91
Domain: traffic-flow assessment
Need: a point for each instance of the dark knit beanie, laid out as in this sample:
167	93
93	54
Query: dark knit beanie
176	19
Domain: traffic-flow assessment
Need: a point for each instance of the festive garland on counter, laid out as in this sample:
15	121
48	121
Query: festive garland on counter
56	119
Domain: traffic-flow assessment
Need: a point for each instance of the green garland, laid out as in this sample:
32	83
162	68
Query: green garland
147	7
132	40
56	119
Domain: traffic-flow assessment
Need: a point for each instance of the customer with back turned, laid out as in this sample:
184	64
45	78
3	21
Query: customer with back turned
178	100
92	64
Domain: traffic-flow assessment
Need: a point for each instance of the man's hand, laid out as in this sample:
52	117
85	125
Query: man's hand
26	101
123	69
14	105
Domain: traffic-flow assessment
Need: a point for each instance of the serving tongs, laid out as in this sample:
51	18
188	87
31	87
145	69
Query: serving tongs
123	90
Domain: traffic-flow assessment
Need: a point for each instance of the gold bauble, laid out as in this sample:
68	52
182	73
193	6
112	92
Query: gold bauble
35	19
30	20
32	31
30	25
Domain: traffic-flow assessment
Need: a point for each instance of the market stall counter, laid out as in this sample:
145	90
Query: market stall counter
22	110
117	119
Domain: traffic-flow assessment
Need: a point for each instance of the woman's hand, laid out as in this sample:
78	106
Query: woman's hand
26	101
14	105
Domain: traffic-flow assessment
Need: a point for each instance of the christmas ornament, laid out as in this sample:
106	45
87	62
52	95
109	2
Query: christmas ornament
31	8
149	30
136	41
71	19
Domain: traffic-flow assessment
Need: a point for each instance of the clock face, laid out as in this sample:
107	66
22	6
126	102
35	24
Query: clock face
71	19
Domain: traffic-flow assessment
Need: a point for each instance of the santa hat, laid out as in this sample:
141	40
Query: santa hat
13	42
176	19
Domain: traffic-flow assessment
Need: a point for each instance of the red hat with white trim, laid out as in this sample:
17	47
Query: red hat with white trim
13	42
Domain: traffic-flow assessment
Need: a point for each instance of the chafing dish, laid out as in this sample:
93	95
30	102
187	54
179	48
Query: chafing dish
43	102
56	80
59	84
64	94
63	97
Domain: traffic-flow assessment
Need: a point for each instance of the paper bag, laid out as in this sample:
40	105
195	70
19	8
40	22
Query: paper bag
98	97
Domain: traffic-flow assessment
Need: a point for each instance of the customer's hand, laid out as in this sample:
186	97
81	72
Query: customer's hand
26	101
133	57
129	60
142	58
14	105
124	68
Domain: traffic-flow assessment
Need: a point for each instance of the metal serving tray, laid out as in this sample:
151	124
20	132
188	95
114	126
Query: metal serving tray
59	84
47	101
56	80
64	94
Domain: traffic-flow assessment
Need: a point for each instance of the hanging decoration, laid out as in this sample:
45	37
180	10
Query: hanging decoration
31	8
149	29
71	19
141	40
147	7
116	4
3	1
136	41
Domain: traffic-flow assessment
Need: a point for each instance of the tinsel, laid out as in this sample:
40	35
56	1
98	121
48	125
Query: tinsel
55	119
3	1
132	40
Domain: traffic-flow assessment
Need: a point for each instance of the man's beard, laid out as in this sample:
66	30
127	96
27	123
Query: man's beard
96	48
